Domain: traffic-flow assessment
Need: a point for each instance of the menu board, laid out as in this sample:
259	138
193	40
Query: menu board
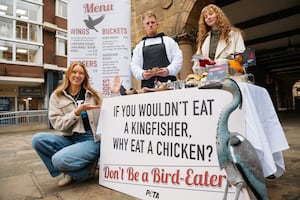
99	36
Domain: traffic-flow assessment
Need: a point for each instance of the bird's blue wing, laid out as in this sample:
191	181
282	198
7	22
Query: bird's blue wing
245	157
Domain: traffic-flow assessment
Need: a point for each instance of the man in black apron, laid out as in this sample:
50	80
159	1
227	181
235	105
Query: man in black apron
155	56
155	51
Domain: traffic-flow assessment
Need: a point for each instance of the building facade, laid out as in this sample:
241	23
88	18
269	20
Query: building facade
33	52
33	45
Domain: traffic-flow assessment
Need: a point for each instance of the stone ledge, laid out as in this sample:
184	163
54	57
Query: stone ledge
14	129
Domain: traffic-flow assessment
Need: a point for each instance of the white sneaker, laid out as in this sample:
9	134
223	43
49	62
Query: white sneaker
66	180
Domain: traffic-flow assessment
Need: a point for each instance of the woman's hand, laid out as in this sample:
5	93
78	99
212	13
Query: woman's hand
207	61
84	107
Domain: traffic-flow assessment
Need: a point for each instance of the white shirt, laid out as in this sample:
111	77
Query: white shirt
173	51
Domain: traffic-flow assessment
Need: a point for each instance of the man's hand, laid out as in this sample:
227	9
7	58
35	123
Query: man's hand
115	87
147	74
162	72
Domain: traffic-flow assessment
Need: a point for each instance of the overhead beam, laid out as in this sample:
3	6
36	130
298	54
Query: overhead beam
294	75
280	51
269	18
273	37
286	69
222	3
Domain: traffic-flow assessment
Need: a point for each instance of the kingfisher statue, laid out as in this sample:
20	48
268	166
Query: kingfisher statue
236	155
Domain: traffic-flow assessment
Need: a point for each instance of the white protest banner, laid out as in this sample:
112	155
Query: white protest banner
99	36
161	145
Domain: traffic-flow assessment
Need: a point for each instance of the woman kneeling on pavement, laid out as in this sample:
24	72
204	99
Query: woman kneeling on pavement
74	109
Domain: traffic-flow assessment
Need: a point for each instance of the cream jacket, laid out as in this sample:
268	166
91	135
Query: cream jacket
62	116
223	50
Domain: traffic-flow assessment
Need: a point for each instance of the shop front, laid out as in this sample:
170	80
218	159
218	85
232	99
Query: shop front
20	98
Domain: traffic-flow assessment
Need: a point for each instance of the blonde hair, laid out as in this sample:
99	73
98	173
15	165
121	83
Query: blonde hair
86	84
223	23
149	14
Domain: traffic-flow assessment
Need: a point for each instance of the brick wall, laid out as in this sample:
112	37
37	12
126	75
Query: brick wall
177	19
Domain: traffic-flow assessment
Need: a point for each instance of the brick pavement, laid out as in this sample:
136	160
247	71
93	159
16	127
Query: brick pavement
24	177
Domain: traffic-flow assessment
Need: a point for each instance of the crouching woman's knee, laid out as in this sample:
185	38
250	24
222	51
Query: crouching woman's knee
37	140
60	162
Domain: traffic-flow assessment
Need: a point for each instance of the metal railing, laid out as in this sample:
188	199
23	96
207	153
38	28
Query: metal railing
23	118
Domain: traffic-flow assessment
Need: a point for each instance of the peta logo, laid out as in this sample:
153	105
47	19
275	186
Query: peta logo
152	194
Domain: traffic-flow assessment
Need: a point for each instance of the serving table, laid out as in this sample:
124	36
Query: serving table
161	145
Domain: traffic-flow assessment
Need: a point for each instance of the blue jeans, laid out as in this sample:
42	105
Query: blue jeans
74	155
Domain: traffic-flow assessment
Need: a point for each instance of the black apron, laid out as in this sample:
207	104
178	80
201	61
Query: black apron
155	56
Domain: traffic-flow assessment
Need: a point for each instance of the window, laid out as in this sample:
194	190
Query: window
4	104
6	51
6	7
28	11
39	1
61	43
6	27
34	33
19	52
22	53
21	30
61	8
35	54
28	53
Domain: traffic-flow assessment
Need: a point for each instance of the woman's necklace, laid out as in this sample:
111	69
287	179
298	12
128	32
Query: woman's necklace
76	96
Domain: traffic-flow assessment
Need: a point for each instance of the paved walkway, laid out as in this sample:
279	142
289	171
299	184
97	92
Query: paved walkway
24	177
